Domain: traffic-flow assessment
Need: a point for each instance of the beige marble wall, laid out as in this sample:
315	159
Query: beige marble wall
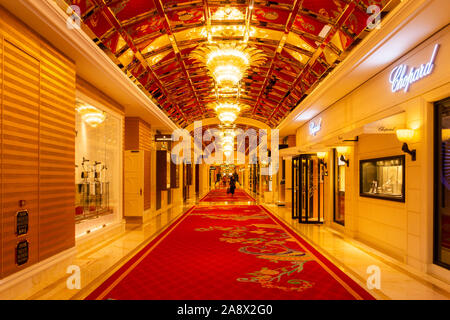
402	230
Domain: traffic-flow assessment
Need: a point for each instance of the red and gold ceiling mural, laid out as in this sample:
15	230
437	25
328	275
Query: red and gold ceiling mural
152	41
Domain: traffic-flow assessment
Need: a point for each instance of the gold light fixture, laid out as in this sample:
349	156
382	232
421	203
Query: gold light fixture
228	13
227	63
342	150
405	136
227	112
91	115
321	155
228	147
227	117
227	107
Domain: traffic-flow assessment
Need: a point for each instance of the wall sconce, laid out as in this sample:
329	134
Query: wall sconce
405	136
321	156
343	150
342	158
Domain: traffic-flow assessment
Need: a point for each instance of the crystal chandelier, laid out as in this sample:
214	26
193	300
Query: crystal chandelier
227	142
91	115
227	117
227	63
228	13
227	112
227	106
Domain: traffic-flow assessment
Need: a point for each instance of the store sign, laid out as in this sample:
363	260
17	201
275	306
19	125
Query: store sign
315	127
400	78
163	137
383	129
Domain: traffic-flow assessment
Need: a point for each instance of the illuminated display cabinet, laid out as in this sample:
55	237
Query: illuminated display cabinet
383	178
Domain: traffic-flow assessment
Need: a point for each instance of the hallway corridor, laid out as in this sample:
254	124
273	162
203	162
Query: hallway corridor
224	150
238	251
118	267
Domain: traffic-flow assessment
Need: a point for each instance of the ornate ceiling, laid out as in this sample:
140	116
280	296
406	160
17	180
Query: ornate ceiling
152	41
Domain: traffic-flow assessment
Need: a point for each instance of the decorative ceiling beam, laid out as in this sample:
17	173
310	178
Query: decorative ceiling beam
339	23
160	8
287	29
110	16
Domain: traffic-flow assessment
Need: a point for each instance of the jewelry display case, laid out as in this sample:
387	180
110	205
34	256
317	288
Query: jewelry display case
383	178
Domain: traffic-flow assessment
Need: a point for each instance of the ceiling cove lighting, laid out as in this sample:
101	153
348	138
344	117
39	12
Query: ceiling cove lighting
91	115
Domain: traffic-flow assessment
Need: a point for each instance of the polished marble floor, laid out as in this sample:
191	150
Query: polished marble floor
99	262
354	258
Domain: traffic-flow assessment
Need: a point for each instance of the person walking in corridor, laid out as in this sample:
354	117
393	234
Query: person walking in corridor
232	186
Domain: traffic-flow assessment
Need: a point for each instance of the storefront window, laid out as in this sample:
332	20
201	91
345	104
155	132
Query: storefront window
383	178
97	168
339	190
442	183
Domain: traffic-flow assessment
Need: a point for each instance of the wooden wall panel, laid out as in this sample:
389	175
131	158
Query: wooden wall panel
37	141
1	153
138	136
147	181
56	154
20	151
145	136
131	133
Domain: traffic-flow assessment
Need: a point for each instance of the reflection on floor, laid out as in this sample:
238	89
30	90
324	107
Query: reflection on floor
233	252
100	262
221	195
354	258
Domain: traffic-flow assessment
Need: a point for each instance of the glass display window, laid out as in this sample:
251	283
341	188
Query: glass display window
98	157
442	184
383	178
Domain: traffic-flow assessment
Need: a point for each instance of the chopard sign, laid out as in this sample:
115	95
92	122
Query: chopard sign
315	127
401	79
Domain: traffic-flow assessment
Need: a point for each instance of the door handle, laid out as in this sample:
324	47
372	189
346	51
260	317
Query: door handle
140	191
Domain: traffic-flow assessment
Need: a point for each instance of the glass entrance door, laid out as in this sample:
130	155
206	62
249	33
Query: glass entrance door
442	184
295	187
307	189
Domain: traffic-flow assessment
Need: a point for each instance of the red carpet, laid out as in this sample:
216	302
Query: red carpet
220	195
227	253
